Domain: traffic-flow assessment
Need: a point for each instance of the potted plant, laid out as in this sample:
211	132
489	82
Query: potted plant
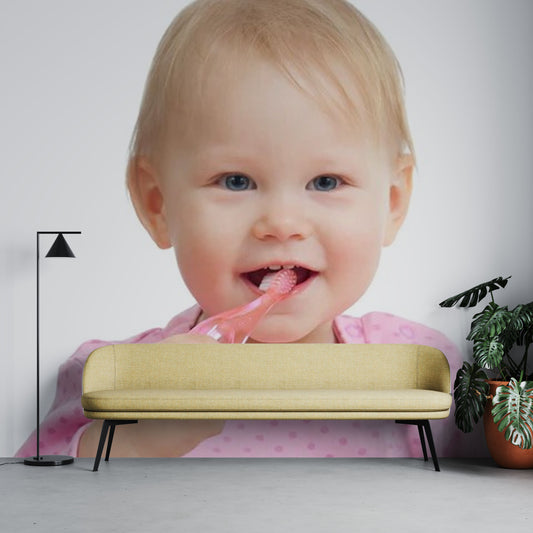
497	385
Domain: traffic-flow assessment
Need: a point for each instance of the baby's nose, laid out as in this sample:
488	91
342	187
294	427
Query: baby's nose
282	219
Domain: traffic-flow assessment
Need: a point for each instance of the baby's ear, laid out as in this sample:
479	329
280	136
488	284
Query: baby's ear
147	198
399	195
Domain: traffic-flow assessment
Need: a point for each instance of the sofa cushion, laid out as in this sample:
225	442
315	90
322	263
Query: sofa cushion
168	400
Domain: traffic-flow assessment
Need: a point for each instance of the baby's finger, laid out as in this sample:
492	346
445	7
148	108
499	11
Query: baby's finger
189	338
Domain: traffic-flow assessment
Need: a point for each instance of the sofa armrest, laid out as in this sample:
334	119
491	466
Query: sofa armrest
99	370
433	370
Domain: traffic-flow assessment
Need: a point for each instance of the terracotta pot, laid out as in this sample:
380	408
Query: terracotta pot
505	454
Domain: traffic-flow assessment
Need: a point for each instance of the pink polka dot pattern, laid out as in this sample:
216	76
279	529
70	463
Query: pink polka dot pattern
65	423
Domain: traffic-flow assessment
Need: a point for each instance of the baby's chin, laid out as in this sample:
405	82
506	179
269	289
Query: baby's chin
273	339
284	333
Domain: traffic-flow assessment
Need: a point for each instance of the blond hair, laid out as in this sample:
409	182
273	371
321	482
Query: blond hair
308	40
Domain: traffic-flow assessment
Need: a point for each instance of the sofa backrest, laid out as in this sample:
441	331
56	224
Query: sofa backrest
267	366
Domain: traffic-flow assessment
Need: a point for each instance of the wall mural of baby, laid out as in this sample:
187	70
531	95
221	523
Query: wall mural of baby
270	135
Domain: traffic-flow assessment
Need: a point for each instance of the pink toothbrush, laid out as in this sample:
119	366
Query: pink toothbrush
234	326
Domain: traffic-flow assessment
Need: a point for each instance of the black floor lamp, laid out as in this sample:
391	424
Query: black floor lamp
60	248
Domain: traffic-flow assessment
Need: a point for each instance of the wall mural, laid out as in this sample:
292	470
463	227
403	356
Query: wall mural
267	145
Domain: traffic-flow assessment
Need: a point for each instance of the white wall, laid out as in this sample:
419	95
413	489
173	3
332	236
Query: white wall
72	77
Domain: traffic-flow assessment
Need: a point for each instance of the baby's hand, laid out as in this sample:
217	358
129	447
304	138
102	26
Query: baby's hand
189	338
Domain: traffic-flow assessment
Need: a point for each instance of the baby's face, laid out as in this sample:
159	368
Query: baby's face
264	177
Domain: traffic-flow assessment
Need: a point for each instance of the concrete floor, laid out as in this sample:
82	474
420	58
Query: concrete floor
266	495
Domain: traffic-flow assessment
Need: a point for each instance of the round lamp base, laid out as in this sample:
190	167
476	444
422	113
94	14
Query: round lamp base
49	460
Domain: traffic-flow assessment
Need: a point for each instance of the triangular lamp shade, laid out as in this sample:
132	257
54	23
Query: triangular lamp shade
60	248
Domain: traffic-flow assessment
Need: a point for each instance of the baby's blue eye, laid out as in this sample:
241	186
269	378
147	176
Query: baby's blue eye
324	183
237	182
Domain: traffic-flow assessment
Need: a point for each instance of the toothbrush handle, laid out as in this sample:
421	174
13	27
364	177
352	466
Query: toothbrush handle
236	325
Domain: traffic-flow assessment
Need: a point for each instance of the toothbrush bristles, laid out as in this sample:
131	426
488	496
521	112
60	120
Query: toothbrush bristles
281	282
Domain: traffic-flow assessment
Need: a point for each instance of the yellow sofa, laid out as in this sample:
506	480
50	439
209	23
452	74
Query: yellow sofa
408	383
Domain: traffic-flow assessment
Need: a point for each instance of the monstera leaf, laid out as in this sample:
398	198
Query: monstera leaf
470	394
489	322
513	412
473	296
488	353
521	323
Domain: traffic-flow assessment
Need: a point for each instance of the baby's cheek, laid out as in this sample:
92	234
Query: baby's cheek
198	239
353	262
359	246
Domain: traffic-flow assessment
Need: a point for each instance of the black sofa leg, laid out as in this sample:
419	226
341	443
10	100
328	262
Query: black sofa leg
423	425
103	435
108	426
422	441
110	441
429	436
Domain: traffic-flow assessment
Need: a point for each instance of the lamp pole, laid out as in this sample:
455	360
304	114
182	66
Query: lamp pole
60	248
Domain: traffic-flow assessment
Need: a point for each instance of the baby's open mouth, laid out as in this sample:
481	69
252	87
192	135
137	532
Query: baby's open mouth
256	276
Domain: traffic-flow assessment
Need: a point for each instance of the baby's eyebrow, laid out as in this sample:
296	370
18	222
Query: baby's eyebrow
213	163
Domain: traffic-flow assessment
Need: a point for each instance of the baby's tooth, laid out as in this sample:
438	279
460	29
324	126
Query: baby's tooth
288	266
274	267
